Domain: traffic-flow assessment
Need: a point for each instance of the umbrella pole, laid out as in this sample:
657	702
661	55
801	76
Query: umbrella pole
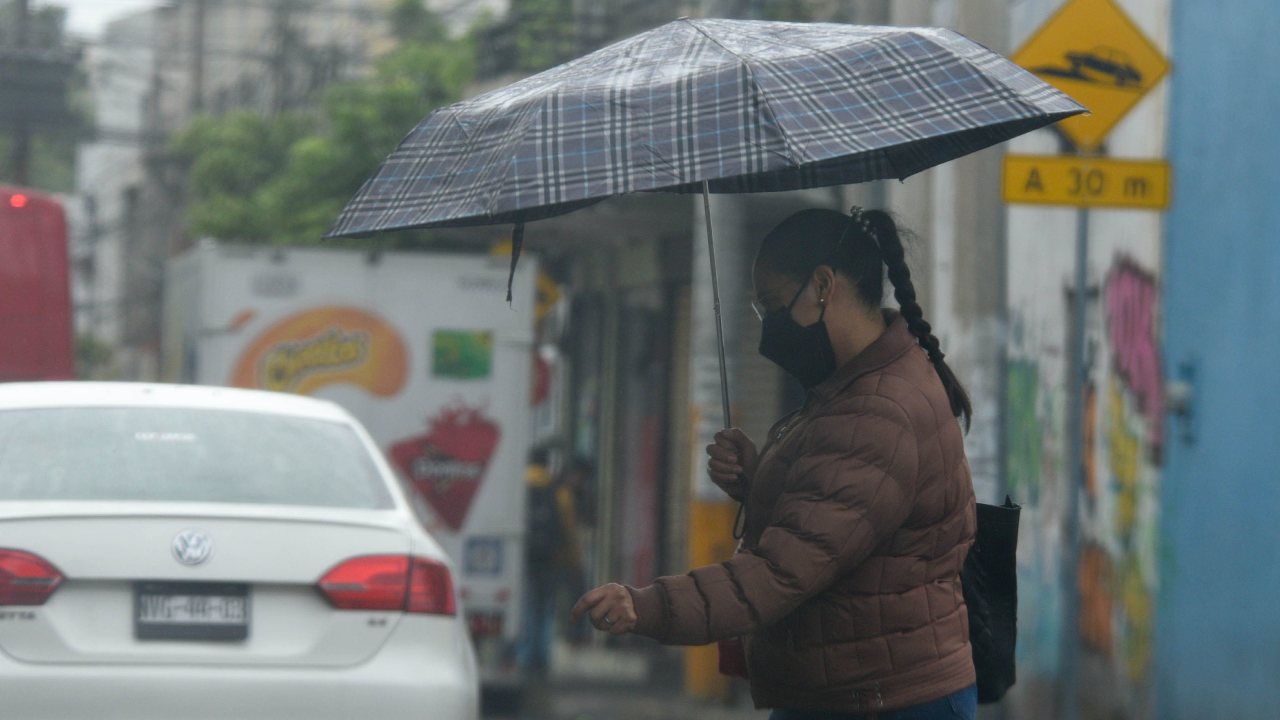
715	291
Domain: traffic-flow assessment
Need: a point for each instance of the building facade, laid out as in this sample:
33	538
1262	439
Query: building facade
151	73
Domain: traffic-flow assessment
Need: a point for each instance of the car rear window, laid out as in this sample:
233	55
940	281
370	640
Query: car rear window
185	455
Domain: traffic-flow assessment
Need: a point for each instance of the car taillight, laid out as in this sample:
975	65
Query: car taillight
26	579
430	588
390	582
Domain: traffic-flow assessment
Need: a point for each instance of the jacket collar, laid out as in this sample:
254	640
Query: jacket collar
895	341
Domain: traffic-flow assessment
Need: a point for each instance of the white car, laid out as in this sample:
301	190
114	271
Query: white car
170	551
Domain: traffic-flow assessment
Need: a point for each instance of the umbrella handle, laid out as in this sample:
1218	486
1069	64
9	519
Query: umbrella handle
715	291
739	524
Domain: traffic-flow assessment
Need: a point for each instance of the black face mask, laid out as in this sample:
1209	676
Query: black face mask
804	352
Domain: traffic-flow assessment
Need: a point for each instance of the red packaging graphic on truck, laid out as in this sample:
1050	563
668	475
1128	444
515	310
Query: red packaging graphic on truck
448	462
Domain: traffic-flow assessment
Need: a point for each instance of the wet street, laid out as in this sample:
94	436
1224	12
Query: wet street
595	683
586	701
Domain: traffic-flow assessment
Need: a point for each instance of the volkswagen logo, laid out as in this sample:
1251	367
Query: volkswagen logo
192	547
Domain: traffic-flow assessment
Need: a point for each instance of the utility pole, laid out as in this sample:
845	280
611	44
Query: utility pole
20	156
282	31
197	57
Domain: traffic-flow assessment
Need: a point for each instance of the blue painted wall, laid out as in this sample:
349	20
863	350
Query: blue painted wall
1218	626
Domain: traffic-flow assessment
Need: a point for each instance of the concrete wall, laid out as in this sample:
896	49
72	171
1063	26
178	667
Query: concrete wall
1218	631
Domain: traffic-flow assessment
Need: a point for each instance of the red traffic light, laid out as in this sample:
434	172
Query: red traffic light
18	201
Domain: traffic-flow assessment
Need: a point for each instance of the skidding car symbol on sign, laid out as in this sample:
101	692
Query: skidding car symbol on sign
1101	65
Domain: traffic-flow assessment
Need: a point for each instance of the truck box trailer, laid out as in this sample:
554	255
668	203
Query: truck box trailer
422	348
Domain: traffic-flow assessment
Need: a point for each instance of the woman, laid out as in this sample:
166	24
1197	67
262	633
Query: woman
859	509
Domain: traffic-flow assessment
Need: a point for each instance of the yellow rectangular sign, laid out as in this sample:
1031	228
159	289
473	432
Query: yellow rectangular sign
1086	182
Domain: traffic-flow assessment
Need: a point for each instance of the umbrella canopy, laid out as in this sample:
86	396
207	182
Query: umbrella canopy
743	106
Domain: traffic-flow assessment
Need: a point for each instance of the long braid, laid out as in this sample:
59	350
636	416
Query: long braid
884	232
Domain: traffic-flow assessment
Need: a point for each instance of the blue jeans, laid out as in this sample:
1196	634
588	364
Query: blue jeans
959	705
533	648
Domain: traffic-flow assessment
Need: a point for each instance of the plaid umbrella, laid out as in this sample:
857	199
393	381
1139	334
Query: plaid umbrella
746	106
705	105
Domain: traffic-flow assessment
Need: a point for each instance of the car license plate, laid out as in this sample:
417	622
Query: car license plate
191	611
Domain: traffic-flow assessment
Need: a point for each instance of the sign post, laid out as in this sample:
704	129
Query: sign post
1095	53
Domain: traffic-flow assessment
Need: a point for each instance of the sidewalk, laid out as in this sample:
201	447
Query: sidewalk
597	683
585	702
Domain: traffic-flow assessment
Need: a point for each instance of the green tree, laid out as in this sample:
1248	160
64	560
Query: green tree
46	26
52	138
232	157
95	359
283	179
411	21
544	32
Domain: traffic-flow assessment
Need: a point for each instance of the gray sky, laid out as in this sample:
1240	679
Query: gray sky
86	17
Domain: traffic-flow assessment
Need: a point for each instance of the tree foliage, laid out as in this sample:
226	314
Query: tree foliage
46	26
544	33
282	180
53	141
233	159
95	359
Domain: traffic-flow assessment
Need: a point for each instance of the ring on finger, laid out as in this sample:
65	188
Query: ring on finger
607	621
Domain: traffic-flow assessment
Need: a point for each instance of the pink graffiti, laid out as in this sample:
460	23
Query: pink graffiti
1131	297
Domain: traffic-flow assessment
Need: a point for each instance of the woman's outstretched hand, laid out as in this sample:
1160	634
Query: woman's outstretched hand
610	609
732	461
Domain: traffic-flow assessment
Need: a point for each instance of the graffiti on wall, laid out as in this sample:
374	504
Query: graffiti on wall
1131	294
1032	470
1022	431
1116	575
1096	580
1117	570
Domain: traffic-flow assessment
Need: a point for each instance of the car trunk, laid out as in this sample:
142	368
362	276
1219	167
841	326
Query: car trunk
260	577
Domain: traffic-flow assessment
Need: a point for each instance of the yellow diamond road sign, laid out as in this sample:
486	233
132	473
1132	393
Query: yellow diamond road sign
1093	52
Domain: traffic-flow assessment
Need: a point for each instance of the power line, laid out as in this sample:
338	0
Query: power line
230	52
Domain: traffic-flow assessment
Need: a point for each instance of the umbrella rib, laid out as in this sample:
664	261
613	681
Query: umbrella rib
793	159
713	39
975	61
532	113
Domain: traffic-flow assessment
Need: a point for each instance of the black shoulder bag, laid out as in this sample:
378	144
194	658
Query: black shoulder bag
990	581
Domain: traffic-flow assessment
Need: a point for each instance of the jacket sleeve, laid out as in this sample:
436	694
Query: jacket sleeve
853	485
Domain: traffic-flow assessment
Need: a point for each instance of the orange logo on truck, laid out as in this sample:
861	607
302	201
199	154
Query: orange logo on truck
325	346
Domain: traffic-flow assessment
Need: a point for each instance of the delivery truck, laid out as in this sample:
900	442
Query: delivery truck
422	348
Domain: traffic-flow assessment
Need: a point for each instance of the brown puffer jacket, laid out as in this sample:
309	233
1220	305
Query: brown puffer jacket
859	518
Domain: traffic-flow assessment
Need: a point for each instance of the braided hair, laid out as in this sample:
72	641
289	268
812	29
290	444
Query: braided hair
862	246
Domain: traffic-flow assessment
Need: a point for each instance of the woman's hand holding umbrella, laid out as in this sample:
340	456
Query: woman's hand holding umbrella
610	608
732	461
